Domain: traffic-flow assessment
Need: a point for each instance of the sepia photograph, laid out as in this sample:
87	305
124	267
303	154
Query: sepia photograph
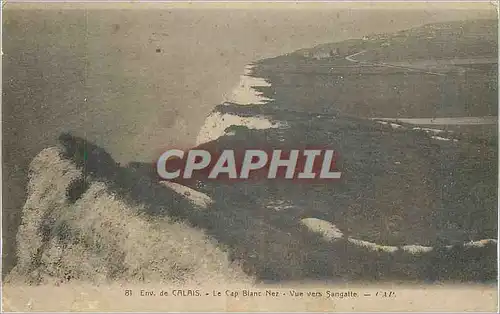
257	156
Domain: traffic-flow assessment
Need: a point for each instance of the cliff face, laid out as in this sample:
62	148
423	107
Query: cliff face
414	203
415	183
77	227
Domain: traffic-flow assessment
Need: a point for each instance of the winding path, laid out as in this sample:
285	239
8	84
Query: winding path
383	64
